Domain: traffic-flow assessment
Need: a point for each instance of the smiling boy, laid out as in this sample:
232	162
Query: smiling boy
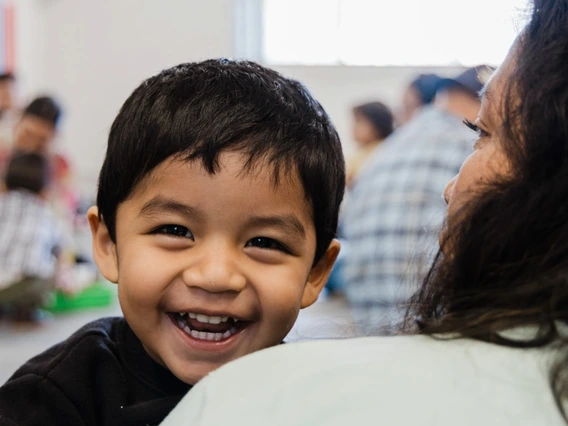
216	214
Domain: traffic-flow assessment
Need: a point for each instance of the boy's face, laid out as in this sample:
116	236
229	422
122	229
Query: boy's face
212	267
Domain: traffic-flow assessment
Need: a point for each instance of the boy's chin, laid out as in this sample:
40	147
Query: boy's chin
193	379
194	373
192	357
187	371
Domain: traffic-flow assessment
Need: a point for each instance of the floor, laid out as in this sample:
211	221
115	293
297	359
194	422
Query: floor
328	318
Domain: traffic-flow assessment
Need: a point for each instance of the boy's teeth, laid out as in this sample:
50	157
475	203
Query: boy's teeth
202	318
205	319
204	335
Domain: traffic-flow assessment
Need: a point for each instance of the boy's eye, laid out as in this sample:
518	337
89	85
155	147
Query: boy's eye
174	231
266	243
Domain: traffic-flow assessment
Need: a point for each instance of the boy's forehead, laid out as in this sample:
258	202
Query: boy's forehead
236	165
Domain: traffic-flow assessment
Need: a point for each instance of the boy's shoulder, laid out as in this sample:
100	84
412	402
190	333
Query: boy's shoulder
65	381
98	337
100	372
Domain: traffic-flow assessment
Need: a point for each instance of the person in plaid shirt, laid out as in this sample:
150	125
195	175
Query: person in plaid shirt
395	211
31	239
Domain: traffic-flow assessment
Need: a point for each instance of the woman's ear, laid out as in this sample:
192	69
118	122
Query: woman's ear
319	274
104	249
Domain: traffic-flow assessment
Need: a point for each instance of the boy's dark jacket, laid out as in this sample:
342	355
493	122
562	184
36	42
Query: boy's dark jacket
101	375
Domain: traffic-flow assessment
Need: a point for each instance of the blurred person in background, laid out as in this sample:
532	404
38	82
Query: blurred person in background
7	92
35	133
9	112
32	242
420	92
395	211
36	129
372	123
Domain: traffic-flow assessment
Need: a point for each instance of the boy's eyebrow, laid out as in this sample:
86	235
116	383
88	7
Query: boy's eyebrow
160	204
287	223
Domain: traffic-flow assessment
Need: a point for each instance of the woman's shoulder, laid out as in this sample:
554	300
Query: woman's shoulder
398	379
388	356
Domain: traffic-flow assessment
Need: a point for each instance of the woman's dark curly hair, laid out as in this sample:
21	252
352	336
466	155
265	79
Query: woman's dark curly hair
509	252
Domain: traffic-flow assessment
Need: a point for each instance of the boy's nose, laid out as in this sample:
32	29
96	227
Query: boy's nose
215	270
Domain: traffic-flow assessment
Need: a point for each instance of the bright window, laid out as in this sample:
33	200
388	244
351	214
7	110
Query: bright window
381	32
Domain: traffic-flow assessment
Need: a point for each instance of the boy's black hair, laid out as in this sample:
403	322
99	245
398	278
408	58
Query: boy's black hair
198	110
27	171
7	76
45	108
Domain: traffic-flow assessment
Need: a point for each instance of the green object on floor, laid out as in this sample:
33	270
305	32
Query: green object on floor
98	295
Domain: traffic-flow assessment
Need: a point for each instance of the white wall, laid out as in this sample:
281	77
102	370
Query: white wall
29	45
97	52
92	54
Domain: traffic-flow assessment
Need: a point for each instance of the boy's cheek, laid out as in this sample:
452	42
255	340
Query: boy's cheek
278	325
281	308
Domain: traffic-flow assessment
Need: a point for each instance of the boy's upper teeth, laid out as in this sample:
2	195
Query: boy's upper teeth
206	319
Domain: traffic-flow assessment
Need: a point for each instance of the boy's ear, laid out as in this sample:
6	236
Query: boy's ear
104	249
319	274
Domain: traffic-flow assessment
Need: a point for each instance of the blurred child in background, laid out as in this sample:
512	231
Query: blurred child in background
372	123
32	242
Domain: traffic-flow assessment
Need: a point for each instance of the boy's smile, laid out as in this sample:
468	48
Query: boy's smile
212	267
214	328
